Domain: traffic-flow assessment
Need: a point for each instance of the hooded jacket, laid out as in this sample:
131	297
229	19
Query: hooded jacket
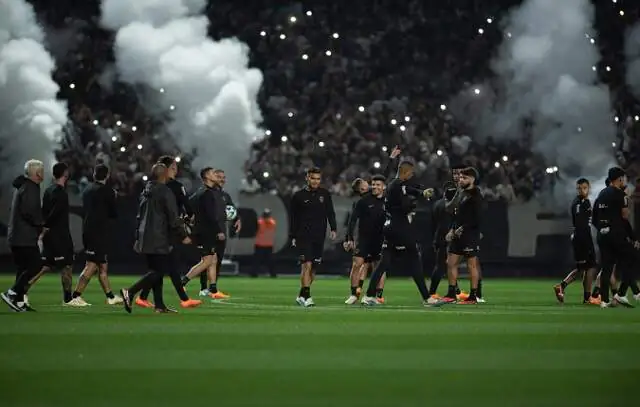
25	217
158	220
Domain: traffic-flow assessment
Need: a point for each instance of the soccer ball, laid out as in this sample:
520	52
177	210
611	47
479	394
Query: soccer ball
232	212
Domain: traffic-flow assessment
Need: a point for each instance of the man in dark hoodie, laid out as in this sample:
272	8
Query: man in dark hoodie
159	226
26	226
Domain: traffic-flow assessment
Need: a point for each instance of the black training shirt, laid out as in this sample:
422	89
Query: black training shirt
369	213
310	211
607	209
581	218
55	208
99	204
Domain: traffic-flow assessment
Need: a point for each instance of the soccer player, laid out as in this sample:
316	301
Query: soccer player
311	208
212	289
184	209
57	244
583	247
99	204
400	248
159	226
369	213
210	224
610	212
25	227
464	236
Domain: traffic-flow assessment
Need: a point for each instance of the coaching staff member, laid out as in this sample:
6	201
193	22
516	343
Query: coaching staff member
311	209
25	227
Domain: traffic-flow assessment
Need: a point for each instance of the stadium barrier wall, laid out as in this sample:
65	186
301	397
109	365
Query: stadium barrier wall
518	239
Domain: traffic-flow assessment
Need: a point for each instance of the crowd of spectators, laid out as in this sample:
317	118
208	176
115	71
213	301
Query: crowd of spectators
391	70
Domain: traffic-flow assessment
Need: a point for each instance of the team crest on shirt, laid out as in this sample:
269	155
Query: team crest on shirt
321	199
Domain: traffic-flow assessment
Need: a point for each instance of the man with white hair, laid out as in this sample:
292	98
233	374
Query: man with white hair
26	226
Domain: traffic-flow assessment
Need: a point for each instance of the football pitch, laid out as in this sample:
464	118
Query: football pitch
259	349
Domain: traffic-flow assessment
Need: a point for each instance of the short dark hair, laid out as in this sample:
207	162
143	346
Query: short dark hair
356	184
581	181
406	162
607	182
100	172
314	170
615	173
166	160
379	177
470	172
204	171
59	169
157	170
218	170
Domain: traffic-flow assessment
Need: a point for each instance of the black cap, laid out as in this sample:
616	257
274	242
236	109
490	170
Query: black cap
615	173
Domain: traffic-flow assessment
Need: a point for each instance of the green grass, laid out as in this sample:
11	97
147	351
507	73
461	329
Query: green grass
520	349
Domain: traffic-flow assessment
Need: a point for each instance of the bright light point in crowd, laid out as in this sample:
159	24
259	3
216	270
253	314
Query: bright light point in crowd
593	68
636	118
509	35
293	19
613	144
361	108
439	152
496	164
114	139
616	119
290	114
622	12
338	116
407	119
283	139
489	20
305	56
145	178
309	13
178	159
336	35
443	107
555	169
476	91
394	121
265	174
328	53
505	158
402	128
134	128
579	129
118	123
263	33
172	107
321	144
614	1
95	122
376	164
139	146
608	68
72	86
122	149
384	149
267	132
592	41
480	30
282	36
161	90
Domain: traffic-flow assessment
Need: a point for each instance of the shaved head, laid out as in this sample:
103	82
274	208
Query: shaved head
159	172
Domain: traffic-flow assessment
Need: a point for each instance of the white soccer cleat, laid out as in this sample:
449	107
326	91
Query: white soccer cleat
26	300
351	300
204	293
369	301
116	300
77	302
309	303
480	300
300	301
432	301
637	297
624	301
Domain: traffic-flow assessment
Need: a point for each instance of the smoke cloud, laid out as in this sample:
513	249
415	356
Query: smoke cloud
632	52
206	86
31	117
544	76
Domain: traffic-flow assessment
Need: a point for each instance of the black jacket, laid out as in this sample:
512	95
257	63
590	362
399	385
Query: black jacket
158	221
442	222
25	218
369	213
310	211
210	214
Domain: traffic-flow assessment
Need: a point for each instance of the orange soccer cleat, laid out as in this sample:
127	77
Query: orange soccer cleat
435	296
468	301
557	289
358	292
380	300
143	303
219	296
190	303
462	296
594	301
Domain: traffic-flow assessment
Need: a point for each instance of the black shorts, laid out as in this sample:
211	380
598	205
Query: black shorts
467	245
208	247
57	256
369	249
310	250
584	253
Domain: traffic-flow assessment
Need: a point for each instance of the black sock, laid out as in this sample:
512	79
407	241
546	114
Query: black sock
305	292
563	284
301	292
457	290
451	292
614	291
213	288
354	290
379	292
67	296
479	291
203	281
473	295
110	295
586	296
76	294
596	292
184	280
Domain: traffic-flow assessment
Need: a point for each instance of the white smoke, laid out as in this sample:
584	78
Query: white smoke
545	77
205	85
31	118
632	52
